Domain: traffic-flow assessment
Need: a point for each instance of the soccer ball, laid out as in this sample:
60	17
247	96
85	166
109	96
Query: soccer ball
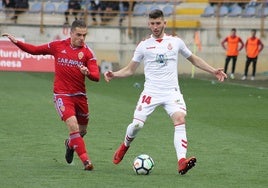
143	164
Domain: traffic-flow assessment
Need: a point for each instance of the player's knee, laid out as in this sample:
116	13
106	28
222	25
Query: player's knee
178	118
179	121
137	124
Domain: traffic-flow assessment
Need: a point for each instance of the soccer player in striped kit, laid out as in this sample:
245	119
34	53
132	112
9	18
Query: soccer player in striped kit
74	61
159	54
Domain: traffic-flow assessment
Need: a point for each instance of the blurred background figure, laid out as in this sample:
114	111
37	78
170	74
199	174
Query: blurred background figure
110	11
74	7
20	7
253	47
106	10
123	9
232	44
9	6
96	7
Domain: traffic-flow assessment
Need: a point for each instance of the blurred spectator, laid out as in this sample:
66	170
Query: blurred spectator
74	7
96	7
123	9
9	6
111	8
253	3
106	10
242	4
212	3
20	7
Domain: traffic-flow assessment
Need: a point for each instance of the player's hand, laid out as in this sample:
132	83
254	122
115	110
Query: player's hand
220	75
108	75
84	70
11	38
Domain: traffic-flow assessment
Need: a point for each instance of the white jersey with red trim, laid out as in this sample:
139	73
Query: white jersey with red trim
160	58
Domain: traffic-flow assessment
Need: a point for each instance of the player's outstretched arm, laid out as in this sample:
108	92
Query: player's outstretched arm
29	48
124	72
10	37
200	63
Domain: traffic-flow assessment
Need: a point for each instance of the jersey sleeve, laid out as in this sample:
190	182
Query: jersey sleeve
138	53
92	65
94	73
184	50
34	50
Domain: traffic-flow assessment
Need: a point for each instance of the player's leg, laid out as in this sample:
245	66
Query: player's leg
254	65
75	140
65	107
69	154
131	133
143	109
234	59
61	104
177	112
180	139
181	143
77	143
82	115
227	60
83	131
248	61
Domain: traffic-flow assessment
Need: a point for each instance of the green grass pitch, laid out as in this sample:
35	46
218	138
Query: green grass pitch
227	129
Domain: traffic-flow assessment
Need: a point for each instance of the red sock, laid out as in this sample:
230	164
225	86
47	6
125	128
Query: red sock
77	143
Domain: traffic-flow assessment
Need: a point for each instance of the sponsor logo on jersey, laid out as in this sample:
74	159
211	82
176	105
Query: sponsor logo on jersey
69	62
161	58
151	47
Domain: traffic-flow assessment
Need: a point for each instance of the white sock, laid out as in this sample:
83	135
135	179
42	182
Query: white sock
180	141
132	131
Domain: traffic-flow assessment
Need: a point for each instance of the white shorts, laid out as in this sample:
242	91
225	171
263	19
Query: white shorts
172	101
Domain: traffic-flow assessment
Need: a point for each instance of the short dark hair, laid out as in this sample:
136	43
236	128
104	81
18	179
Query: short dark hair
233	29
78	23
156	13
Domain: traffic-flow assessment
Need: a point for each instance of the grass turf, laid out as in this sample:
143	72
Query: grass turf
226	127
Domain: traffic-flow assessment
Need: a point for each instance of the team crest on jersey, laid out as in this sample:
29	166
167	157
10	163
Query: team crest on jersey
80	55
169	46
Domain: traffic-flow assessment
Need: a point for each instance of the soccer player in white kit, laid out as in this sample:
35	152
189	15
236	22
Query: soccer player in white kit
159	53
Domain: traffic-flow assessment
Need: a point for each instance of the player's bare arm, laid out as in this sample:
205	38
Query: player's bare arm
200	63
124	72
223	43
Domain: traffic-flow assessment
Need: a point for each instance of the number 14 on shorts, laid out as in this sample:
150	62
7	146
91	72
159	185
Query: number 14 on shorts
146	99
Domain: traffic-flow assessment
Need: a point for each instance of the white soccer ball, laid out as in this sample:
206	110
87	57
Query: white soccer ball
143	164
